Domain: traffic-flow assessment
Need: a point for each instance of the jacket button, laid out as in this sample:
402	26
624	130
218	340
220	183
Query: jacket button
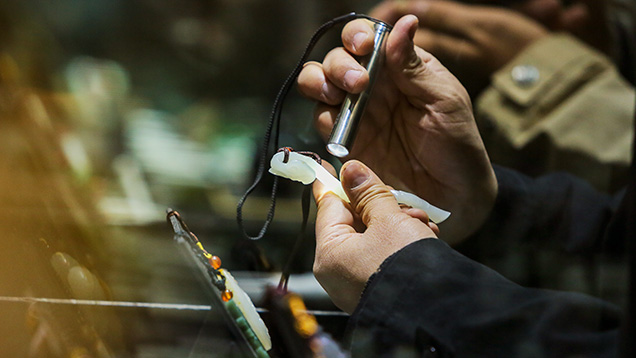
525	75
430	352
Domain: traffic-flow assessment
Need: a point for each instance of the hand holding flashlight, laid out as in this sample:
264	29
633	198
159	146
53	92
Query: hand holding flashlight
418	133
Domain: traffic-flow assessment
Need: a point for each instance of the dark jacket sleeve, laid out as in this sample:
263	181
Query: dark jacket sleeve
552	231
556	209
430	300
433	300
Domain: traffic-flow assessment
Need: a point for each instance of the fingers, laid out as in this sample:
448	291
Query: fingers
547	12
447	16
340	72
318	189
387	11
325	118
313	83
422	216
440	16
372	200
447	48
400	50
369	196
411	71
391	11
575	18
419	214
434	227
330	81
357	37
344	71
419	75
333	217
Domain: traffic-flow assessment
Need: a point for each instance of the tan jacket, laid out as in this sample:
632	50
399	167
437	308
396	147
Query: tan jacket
560	105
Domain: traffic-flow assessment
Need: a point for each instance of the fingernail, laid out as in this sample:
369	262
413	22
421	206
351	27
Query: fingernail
351	77
358	39
355	174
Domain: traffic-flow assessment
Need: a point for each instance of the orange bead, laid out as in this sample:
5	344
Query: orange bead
215	261
227	295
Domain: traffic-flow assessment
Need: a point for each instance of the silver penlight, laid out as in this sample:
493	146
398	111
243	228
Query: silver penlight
346	125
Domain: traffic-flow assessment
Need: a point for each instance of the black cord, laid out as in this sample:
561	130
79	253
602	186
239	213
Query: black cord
273	126
284	277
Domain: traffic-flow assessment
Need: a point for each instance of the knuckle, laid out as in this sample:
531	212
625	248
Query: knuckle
367	200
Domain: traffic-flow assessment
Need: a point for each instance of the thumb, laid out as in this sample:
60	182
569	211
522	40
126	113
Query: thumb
400	50
369	196
416	72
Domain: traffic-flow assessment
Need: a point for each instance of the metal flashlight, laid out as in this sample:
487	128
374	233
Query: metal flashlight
344	129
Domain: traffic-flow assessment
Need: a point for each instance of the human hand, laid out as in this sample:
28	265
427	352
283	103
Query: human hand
585	19
352	240
472	41
418	132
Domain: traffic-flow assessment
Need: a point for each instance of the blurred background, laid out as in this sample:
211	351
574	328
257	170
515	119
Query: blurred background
113	111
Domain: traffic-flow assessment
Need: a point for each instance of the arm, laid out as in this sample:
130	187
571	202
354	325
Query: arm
429	296
554	208
425	296
554	231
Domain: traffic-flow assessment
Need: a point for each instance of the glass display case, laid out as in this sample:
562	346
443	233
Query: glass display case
112	113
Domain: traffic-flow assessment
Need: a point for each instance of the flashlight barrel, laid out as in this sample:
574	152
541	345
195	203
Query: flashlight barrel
346	124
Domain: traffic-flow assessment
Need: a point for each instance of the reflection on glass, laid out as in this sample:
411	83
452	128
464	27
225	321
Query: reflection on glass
112	111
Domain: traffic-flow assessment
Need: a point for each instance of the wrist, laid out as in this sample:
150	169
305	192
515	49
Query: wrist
470	214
